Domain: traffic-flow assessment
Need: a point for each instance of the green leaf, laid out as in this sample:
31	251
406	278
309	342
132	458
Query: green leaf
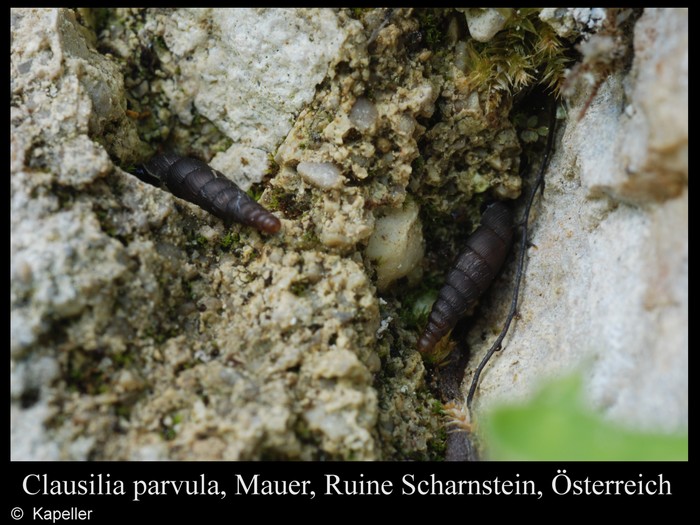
555	426
528	136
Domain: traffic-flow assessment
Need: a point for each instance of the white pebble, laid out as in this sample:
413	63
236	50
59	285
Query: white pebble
406	125
363	114
485	23
321	174
396	245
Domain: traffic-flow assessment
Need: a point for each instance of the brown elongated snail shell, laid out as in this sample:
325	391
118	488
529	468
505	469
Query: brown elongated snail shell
196	182
473	272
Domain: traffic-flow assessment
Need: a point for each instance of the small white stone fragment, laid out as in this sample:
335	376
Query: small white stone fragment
363	114
560	19
485	23
406	125
383	327
243	164
567	22
396	244
325	175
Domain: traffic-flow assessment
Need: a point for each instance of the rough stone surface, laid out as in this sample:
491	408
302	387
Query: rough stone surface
143	328
652	145
606	288
256	81
568	22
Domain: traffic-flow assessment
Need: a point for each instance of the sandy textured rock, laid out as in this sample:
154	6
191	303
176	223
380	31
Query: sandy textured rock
606	288
142	328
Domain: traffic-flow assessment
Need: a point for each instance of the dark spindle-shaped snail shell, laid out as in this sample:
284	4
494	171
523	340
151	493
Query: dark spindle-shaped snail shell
194	181
472	274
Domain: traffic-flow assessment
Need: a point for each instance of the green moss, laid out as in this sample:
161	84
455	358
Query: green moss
526	52
437	447
250	255
302	431
299	288
255	191
162	333
223	144
417	302
124	359
430	25
293	206
97	18
188	289
123	411
272	166
105	222
86	374
66	194
437	408
308	240
418	165
358	12
230	241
